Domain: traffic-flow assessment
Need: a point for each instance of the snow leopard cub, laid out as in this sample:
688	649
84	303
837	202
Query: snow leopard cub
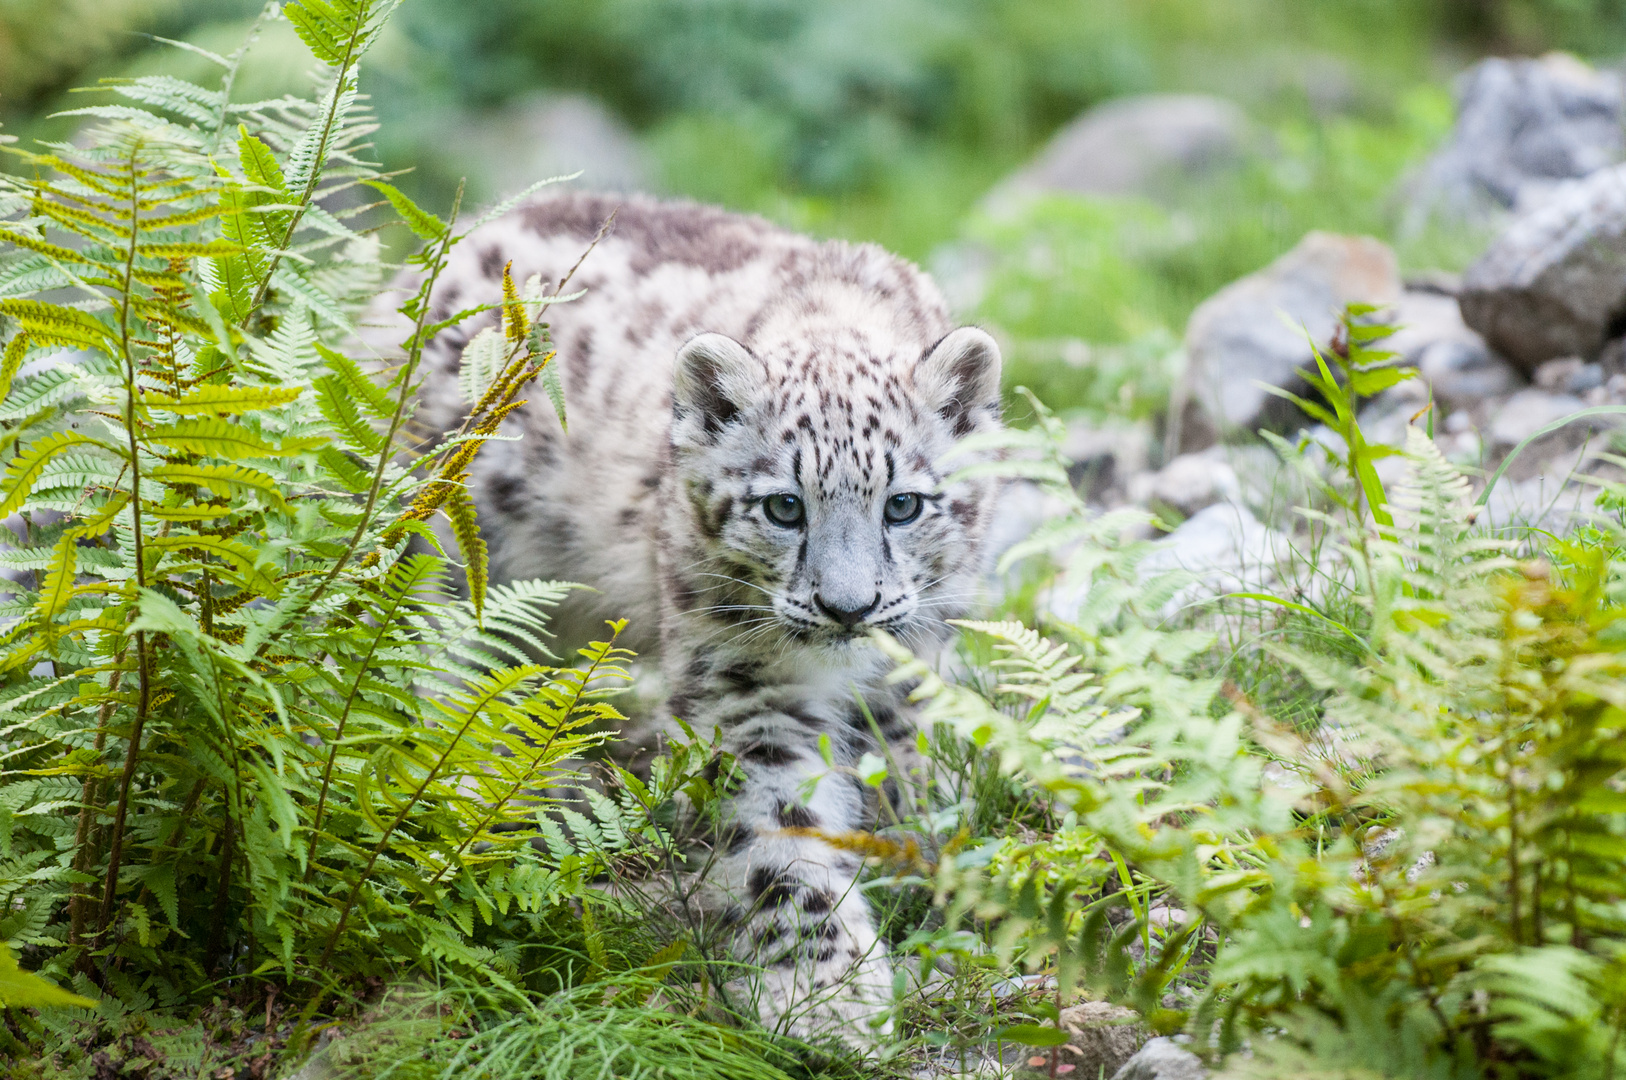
753	474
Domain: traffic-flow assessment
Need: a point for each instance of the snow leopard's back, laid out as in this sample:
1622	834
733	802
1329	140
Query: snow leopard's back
582	506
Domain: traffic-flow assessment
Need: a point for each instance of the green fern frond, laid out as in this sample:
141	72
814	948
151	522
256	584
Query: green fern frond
25	470
356	383
53	324
222	480
216	437
212	399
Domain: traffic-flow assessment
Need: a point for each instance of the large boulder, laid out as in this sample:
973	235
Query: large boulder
1522	126
1553	284
1452	358
1259	329
1144	145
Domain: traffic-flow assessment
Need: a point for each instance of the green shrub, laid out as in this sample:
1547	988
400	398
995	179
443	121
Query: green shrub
1425	882
248	738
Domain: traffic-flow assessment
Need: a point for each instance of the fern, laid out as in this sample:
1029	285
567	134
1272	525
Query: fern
1428	884
246	732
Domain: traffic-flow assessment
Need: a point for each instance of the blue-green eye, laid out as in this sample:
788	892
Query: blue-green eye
783	508
903	508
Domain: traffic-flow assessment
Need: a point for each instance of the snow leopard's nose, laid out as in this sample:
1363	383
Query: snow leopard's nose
848	617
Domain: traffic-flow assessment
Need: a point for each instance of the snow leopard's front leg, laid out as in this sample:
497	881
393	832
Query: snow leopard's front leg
793	899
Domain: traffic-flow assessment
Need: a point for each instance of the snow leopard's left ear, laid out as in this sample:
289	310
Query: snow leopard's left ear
716	378
959	377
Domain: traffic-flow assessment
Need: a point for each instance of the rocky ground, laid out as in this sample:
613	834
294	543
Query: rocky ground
1533	332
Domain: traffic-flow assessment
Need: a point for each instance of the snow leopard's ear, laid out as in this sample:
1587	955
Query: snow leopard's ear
716	378
959	378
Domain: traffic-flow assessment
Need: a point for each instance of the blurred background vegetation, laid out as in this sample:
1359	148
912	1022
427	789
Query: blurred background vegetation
890	120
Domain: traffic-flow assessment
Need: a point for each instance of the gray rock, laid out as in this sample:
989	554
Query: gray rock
1463	371
1535	482
1162	1059
1526	413
546	135
1584	379
1450	357
1570	375
1522	126
1555	374
1254	331
1106	456
1101	1037
1144	145
1552	283
1188	483
1225	548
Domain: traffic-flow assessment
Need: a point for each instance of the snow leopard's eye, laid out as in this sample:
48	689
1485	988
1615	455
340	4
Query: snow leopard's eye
902	508
783	508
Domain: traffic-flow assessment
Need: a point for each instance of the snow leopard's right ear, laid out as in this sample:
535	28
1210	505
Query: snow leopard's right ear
959	377
716	377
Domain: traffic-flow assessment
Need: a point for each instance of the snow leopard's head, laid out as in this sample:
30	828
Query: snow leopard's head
811	472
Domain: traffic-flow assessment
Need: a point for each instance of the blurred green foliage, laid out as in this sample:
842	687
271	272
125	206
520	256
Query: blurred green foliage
874	118
887	120
43	42
49	45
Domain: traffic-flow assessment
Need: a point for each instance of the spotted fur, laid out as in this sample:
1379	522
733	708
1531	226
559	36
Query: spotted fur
716	364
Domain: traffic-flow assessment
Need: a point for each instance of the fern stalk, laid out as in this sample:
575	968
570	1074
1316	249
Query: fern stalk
234	63
385	623
565	712
90	797
217	919
144	688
